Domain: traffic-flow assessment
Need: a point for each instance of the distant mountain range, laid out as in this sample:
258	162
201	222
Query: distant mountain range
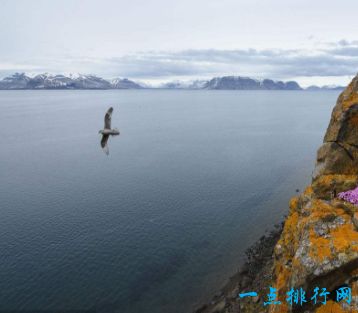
327	87
246	83
48	81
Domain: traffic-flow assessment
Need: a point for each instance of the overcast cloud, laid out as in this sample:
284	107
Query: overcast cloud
158	40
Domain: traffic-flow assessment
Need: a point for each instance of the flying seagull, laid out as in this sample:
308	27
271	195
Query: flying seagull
107	131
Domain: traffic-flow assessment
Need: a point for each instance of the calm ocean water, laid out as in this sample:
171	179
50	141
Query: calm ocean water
158	225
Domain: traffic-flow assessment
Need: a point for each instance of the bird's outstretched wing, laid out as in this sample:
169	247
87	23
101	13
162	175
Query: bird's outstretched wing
104	144
107	118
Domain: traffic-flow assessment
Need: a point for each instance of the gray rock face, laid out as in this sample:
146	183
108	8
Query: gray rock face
339	152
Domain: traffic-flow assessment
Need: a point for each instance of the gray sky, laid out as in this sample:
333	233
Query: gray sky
312	41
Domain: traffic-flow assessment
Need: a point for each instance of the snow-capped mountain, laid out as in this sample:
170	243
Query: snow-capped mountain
91	82
81	81
16	81
124	83
48	81
71	81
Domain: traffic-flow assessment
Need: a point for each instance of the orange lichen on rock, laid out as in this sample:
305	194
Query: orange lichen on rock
334	180
282	308
332	307
308	191
320	247
345	237
324	185
321	209
320	239
293	203
288	238
329	232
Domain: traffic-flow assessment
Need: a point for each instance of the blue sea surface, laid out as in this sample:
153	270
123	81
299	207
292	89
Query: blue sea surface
160	224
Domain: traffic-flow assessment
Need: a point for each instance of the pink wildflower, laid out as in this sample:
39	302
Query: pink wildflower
350	196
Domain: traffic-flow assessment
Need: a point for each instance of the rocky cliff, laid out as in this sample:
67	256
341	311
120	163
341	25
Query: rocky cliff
319	243
318	246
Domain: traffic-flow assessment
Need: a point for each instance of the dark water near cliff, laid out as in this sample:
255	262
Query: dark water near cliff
160	224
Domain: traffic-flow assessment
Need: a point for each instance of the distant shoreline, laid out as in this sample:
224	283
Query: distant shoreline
172	89
21	81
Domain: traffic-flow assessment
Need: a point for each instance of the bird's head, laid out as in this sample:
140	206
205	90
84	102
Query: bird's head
100	132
